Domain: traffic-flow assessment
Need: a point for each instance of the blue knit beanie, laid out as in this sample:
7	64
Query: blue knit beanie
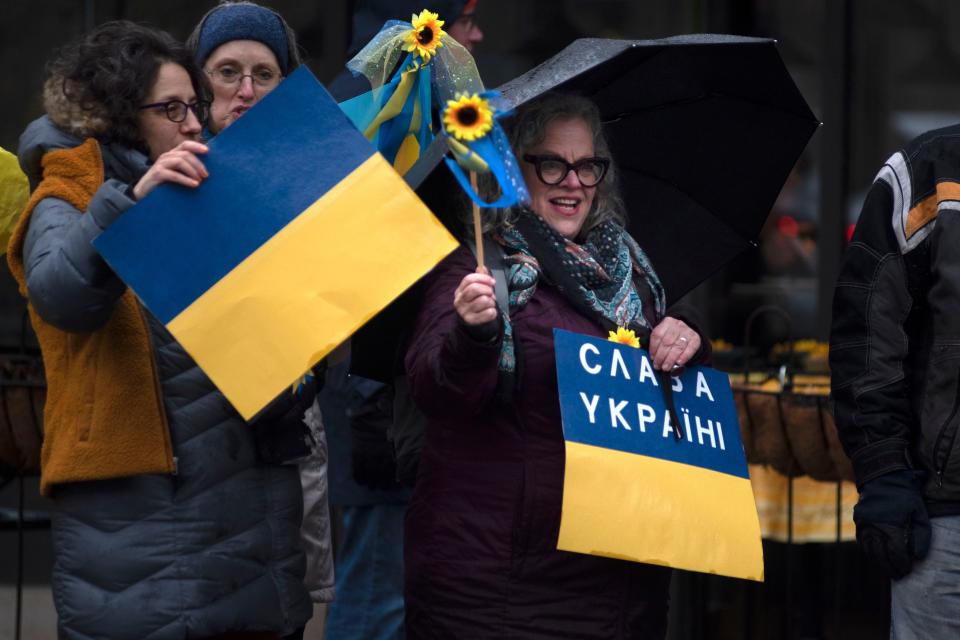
243	22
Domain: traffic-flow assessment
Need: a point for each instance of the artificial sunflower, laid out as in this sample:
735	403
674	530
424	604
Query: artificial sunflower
468	118
624	336
426	36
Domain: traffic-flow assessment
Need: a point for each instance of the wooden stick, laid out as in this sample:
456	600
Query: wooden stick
477	227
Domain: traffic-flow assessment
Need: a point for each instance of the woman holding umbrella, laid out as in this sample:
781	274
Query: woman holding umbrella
483	522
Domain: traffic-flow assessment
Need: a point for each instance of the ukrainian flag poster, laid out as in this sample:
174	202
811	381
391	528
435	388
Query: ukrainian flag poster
301	233
635	491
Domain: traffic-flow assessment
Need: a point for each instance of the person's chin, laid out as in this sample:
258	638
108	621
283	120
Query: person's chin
567	227
218	125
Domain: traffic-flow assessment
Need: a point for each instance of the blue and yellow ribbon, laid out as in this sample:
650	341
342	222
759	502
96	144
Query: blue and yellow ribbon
478	144
395	116
400	126
406	74
298	385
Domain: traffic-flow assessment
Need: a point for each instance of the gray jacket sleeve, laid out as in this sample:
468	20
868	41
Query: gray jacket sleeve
315	532
69	284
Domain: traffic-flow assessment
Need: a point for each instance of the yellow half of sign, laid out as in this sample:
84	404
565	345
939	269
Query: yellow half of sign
316	281
644	509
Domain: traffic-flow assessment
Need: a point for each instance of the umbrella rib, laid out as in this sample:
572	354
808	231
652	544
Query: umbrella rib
704	96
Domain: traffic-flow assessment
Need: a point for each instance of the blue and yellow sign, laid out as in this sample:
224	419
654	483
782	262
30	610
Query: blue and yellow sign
301	234
631	489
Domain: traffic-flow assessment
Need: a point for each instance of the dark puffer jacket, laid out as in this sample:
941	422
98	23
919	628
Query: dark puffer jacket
211	549
895	338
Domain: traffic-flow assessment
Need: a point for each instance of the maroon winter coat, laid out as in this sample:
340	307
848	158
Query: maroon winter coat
482	526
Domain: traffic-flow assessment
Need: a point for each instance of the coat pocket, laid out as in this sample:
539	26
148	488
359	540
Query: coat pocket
941	407
82	373
946	440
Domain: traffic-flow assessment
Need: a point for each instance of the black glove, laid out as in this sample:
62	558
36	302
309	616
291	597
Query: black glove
893	528
279	432
372	457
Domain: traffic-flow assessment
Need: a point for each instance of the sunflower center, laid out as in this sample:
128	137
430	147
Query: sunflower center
425	36
467	116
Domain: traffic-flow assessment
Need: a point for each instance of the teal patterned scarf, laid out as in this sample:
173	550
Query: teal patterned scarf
602	275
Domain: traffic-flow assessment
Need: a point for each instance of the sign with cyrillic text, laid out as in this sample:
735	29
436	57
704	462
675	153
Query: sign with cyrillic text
632	490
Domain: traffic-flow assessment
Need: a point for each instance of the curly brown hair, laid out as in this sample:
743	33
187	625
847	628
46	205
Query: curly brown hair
96	84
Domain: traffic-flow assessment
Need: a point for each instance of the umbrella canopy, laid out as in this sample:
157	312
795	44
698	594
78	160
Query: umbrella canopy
704	129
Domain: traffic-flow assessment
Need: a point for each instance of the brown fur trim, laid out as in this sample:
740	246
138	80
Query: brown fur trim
69	116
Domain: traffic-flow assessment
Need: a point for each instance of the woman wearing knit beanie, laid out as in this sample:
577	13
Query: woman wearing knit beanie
245	50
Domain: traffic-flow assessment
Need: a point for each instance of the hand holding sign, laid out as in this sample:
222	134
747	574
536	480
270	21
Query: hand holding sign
672	344
180	165
231	267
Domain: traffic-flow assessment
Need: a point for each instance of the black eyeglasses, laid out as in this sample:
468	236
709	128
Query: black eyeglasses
176	110
553	170
231	77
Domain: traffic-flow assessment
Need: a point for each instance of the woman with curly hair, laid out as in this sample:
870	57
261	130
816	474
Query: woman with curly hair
168	522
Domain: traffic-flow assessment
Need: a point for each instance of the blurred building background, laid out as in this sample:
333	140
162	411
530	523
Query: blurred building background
876	72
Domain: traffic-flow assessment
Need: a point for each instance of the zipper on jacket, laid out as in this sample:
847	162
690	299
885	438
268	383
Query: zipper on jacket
940	436
157	388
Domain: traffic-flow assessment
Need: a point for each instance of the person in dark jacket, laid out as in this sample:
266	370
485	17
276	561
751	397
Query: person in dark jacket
482	526
246	50
896	381
358	416
167	522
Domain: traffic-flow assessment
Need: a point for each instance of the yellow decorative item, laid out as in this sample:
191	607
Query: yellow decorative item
624	336
720	344
14	193
226	325
299	382
467	158
815	507
469	117
479	145
810	346
811	355
426	36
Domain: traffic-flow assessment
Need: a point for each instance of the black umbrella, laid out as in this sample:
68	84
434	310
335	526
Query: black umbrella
704	129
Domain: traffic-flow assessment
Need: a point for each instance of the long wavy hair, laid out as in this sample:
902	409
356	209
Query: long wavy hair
96	84
527	128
